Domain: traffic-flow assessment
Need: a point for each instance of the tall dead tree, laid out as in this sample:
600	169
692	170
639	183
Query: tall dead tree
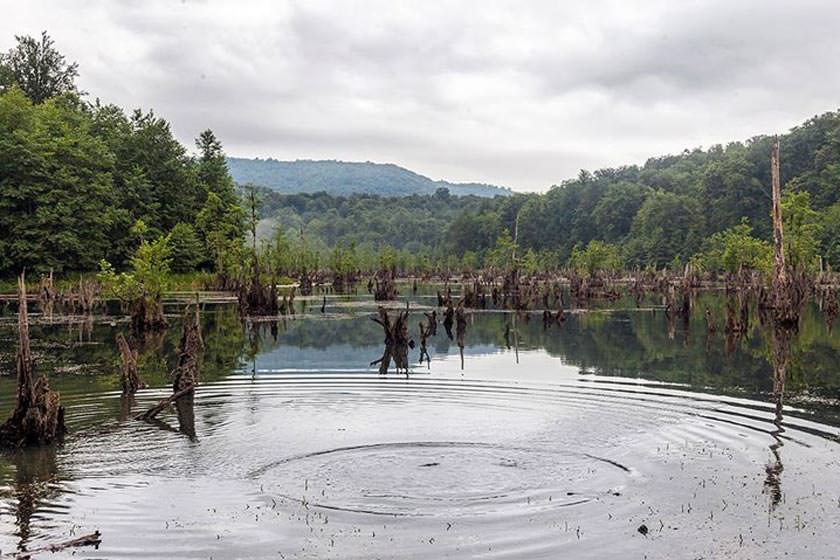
38	417
787	294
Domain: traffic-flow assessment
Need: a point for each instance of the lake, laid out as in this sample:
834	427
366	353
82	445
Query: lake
613	434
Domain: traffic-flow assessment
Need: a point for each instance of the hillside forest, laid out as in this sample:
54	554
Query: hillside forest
86	186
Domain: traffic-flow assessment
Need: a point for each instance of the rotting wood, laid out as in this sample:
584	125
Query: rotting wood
186	372
396	341
92	539
38	417
129	378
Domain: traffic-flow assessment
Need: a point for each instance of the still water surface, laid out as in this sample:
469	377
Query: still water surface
536	444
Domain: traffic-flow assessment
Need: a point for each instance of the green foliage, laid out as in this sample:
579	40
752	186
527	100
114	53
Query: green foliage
733	249
81	183
595	258
220	227
502	255
56	198
667	225
830	242
803	230
344	260
148	276
187	250
37	68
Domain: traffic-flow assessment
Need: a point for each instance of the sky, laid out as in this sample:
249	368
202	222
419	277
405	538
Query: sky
521	94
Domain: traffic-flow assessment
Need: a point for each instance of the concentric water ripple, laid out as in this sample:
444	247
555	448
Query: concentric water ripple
444	479
531	460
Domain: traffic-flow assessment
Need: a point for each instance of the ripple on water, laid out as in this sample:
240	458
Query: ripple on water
351	465
443	479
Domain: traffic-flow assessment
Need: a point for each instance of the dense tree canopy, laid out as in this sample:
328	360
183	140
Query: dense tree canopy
661	213
81	182
37	68
77	177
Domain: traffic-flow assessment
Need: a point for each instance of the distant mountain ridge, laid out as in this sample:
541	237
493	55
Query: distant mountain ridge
345	178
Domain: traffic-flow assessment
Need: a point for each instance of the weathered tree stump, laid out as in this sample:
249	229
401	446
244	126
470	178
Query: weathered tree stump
186	372
129	378
147	315
397	342
385	287
38	417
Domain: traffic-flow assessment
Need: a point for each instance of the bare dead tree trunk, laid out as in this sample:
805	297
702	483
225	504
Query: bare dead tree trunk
788	294
38	417
129	377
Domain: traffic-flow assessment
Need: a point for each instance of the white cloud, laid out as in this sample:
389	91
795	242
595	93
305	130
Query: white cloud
513	93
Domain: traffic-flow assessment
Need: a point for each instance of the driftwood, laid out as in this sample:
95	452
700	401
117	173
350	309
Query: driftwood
448	317
92	539
38	417
425	332
129	378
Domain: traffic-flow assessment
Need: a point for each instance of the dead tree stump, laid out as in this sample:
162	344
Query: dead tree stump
186	372
129	378
396	341
385	287
38	417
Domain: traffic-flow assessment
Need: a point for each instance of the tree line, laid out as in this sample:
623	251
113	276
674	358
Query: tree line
710	208
87	186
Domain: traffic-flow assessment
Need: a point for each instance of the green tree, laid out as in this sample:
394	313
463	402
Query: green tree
503	253
56	197
220	227
37	68
186	248
595	258
212	167
733	249
667	225
803	230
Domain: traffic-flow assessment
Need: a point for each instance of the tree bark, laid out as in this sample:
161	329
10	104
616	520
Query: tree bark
38	417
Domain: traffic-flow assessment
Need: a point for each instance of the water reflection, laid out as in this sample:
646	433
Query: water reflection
617	408
34	483
781	338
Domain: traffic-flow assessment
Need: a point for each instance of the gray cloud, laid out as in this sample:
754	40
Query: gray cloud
520	94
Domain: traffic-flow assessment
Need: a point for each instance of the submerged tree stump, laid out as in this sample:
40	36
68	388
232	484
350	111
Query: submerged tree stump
186	372
38	417
397	342
129	378
384	285
147	315
255	298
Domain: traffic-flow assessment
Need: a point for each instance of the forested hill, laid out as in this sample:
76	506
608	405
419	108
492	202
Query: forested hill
708	206
345	178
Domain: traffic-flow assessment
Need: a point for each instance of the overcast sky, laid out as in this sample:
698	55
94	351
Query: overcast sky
522	93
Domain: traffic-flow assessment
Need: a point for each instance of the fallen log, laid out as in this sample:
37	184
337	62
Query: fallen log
92	539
